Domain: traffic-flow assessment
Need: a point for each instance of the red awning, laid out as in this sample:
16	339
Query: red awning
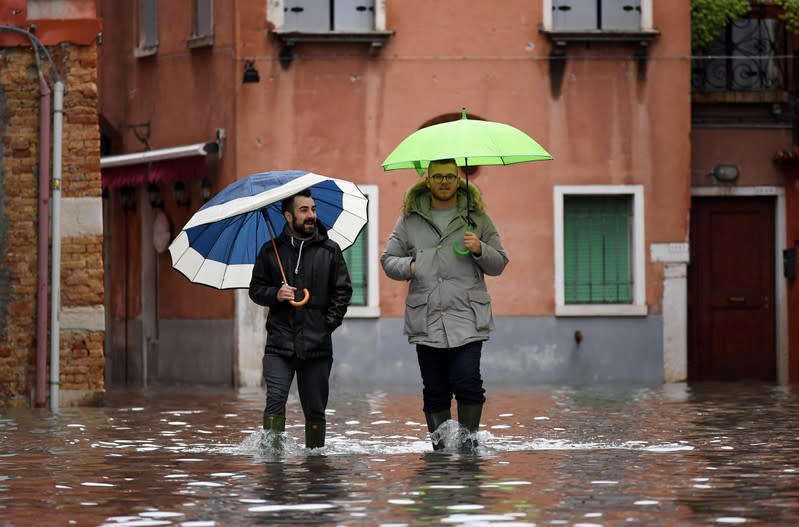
144	172
177	163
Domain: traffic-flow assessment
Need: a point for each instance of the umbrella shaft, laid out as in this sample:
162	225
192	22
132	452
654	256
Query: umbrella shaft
274	246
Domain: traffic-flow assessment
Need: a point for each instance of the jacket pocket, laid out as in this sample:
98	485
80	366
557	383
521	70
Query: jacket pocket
481	306
416	314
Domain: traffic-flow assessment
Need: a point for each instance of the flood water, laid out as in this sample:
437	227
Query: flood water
724	454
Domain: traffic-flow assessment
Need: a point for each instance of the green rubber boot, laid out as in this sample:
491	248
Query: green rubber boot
434	420
274	426
469	418
315	435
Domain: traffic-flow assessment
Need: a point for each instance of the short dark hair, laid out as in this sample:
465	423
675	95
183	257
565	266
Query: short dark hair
287	205
441	162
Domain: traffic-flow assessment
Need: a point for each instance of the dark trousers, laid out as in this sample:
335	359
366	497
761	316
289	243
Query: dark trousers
450	372
312	384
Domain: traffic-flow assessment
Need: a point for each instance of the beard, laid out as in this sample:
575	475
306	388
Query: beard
305	228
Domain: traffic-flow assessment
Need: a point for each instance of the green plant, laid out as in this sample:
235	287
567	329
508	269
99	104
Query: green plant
790	14
709	17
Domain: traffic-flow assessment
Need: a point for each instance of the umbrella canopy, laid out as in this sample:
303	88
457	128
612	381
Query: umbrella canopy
219	244
470	142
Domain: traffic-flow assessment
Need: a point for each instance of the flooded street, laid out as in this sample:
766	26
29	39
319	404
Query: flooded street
723	454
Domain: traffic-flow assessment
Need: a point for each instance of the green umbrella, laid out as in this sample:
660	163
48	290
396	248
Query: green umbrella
470	142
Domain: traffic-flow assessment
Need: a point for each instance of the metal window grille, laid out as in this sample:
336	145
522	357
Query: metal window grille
598	249
750	55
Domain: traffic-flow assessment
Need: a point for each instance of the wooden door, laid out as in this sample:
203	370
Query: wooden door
731	319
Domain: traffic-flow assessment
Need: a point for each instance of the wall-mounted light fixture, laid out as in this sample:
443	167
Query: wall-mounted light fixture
250	73
725	173
154	194
205	190
182	198
126	199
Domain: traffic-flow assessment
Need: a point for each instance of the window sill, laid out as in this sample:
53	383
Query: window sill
601	310
145	51
289	38
202	41
562	38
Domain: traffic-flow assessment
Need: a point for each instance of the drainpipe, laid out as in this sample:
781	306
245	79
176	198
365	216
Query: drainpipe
55	314
43	242
43	238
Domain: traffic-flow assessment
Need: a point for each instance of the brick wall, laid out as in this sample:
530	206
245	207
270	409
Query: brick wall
82	328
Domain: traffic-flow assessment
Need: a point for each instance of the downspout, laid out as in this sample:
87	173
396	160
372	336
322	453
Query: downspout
43	241
44	196
55	313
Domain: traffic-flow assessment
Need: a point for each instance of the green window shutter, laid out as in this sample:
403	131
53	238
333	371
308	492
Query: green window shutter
355	256
597	249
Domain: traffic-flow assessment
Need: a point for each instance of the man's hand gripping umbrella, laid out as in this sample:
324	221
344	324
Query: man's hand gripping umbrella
307	295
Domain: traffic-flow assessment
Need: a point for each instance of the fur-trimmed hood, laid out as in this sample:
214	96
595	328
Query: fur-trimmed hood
417	198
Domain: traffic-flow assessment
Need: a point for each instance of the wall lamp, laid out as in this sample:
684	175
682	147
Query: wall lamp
182	198
250	73
205	190
154	194
725	173
126	199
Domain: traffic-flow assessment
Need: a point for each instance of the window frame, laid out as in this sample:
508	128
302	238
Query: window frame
200	37
646	19
372	307
638	305
145	26
288	38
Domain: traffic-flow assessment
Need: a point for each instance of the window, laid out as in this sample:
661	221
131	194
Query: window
148	28
203	27
750	55
597	15
599	251
330	15
362	260
295	21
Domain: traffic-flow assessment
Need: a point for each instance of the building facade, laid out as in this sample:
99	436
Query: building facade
598	238
52	324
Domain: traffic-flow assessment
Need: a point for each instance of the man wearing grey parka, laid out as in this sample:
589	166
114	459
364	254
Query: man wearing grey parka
448	308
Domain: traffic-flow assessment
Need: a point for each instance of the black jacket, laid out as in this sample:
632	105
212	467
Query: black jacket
304	332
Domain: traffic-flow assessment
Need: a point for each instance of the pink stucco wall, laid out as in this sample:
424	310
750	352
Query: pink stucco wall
337	110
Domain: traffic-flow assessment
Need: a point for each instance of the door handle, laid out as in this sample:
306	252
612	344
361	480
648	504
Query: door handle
737	299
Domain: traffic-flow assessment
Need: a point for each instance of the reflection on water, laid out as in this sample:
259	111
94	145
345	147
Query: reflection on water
724	454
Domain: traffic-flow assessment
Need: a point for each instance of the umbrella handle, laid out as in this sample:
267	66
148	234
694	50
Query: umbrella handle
298	303
457	249
307	295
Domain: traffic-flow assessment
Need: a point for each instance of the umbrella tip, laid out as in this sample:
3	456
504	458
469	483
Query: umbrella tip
463	112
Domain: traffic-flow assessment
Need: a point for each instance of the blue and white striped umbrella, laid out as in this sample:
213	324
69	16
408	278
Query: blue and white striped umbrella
220	242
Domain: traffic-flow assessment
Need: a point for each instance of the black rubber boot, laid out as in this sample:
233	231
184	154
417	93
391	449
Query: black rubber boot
469	418
434	420
275	425
314	435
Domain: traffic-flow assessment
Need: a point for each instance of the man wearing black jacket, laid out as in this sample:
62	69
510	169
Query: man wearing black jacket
298	338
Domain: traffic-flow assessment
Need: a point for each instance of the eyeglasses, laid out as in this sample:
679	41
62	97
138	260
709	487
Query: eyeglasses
440	178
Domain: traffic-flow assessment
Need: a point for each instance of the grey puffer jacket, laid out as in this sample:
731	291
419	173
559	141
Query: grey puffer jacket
448	304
